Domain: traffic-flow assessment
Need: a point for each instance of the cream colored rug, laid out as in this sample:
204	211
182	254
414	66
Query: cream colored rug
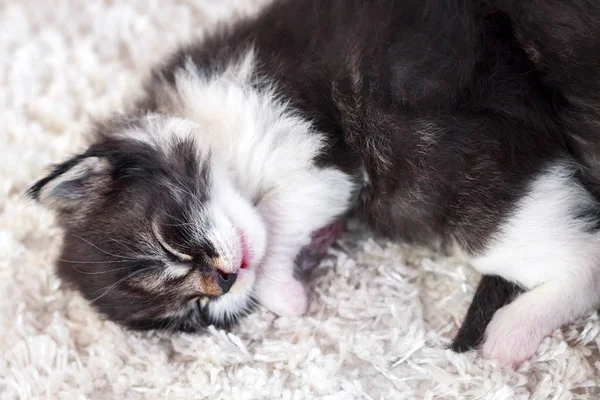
381	314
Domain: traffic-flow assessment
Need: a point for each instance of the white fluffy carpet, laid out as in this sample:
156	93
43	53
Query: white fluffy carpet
381	314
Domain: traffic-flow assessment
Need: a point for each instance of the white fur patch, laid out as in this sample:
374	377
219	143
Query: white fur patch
550	249
174	271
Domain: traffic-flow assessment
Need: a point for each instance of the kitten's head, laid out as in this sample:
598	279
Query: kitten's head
156	234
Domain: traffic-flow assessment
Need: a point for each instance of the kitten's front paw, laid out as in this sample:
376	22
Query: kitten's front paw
511	337
286	299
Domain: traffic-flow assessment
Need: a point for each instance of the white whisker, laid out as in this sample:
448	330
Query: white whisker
114	285
102	250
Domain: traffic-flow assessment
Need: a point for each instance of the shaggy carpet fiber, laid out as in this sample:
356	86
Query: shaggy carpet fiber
381	314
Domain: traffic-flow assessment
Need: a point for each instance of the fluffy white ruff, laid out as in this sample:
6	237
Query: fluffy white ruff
380	315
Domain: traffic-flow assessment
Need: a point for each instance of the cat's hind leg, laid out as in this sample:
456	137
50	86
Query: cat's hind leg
517	329
551	246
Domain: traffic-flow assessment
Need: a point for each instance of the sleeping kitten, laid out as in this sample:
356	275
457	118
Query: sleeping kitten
428	119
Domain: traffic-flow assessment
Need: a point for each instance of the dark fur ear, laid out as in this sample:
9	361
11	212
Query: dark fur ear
72	184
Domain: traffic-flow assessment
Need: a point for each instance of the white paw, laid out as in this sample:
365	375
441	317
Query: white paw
286	299
512	336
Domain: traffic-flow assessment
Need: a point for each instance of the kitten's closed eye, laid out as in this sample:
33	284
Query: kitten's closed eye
170	250
180	265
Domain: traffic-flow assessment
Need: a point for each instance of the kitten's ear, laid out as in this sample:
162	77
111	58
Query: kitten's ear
74	184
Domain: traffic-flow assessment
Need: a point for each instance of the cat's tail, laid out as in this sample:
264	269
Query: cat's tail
493	292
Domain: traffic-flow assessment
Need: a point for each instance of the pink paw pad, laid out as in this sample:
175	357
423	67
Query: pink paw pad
512	337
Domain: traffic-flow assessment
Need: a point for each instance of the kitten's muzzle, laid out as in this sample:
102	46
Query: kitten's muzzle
225	280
